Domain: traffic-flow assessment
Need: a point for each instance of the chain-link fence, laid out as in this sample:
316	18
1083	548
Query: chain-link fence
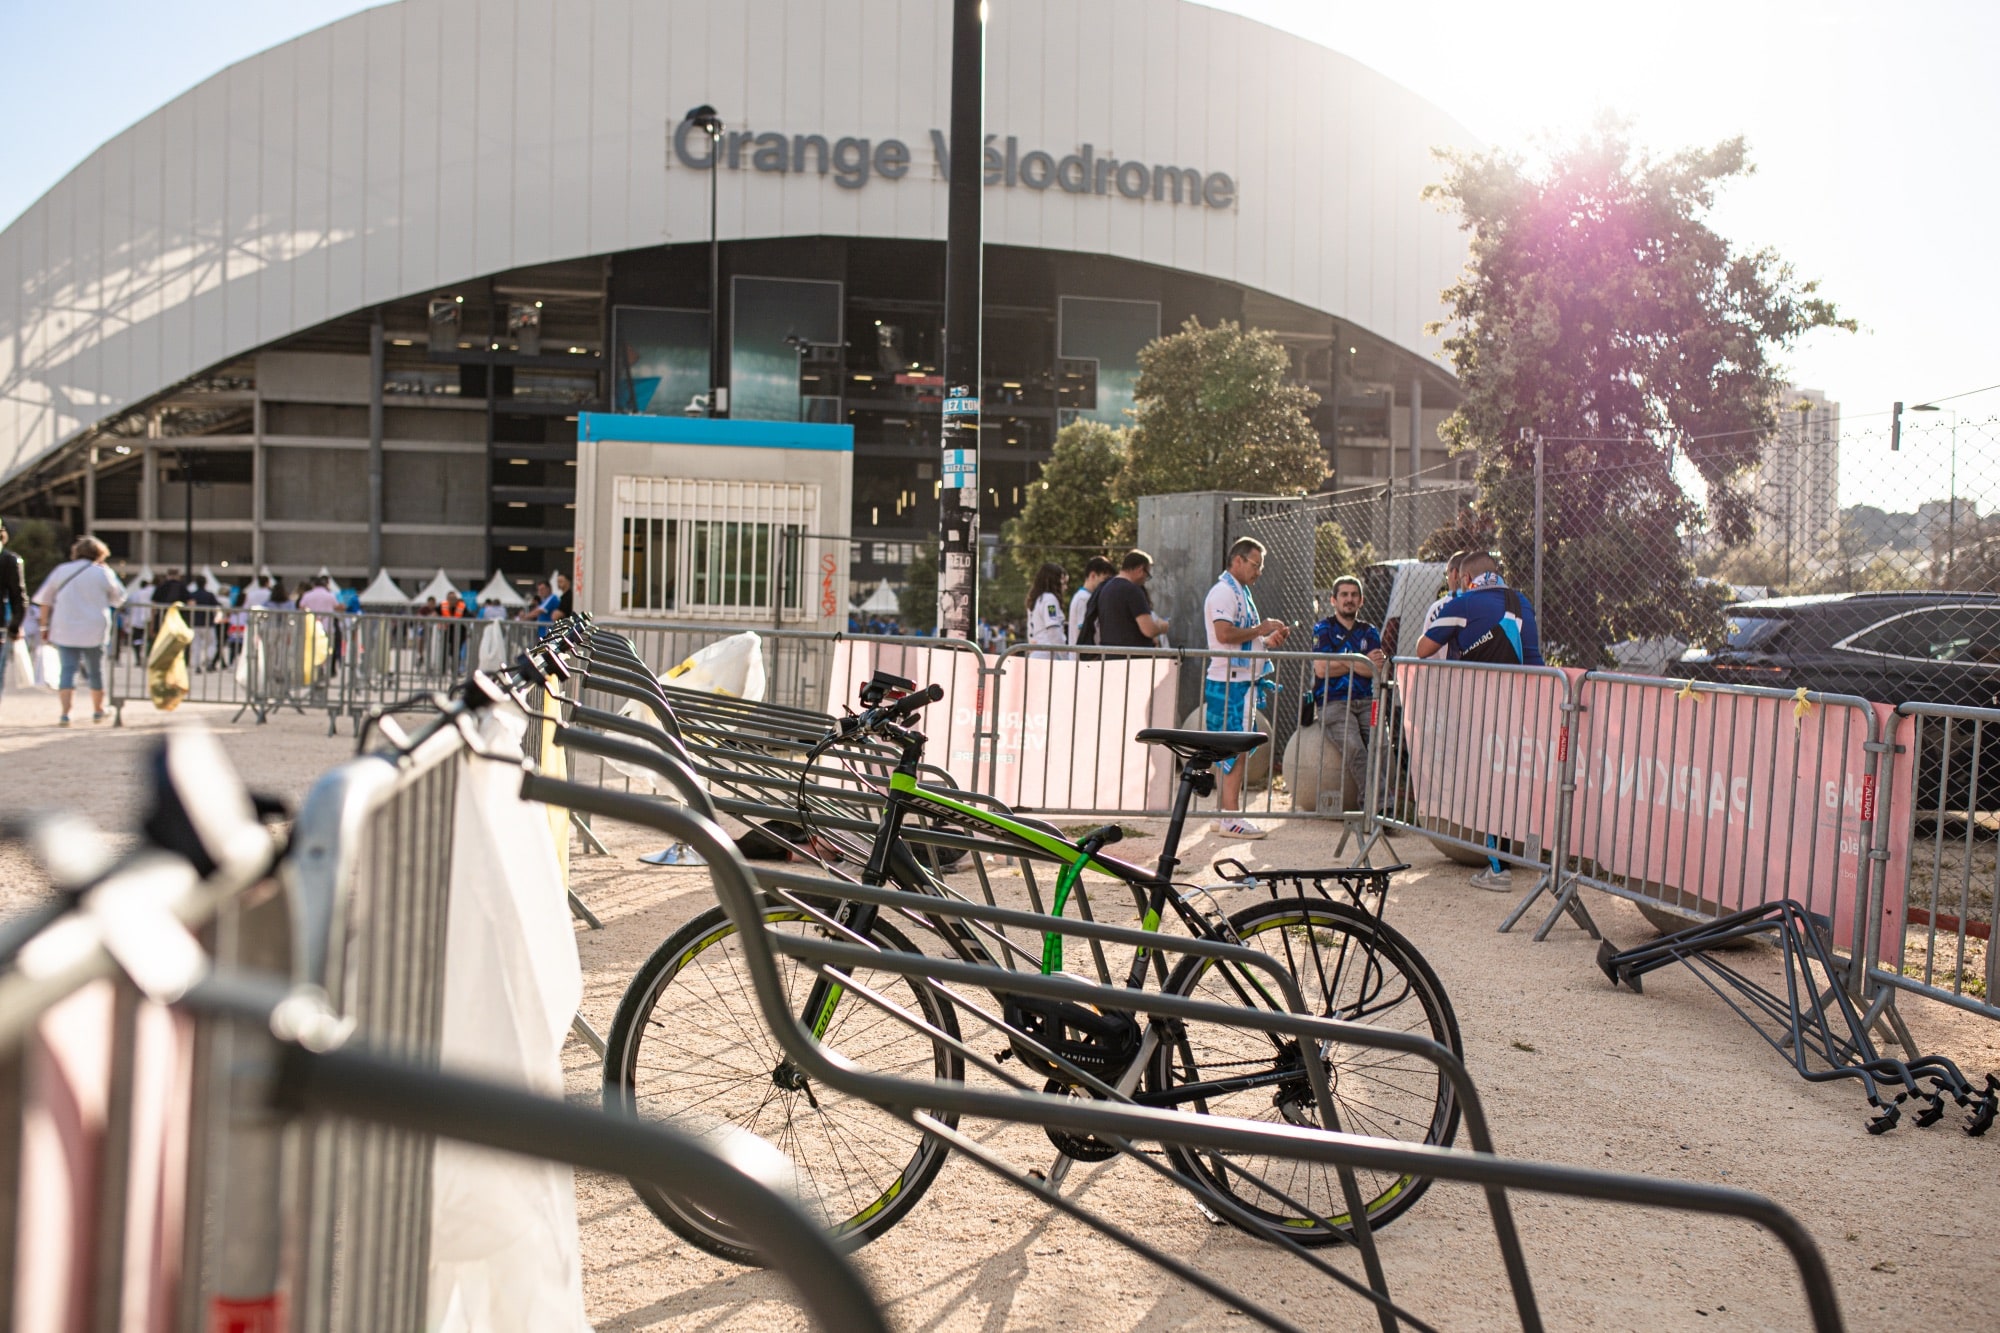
1862	561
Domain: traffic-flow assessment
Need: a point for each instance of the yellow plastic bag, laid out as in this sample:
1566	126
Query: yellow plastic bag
166	661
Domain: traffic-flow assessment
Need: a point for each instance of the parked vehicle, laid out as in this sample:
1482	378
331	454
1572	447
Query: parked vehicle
1892	647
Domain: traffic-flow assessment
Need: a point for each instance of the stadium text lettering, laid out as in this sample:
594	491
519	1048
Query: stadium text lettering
854	162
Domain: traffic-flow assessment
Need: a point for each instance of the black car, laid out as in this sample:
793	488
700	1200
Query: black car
1891	647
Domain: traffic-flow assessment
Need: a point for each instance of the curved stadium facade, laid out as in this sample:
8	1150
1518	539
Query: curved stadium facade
442	229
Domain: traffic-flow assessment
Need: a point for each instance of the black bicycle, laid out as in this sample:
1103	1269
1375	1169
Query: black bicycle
688	1045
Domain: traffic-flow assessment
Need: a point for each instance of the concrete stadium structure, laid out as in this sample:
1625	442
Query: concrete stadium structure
346	298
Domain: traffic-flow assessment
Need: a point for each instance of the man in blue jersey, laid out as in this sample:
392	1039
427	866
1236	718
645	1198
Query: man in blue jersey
1487	622
1346	691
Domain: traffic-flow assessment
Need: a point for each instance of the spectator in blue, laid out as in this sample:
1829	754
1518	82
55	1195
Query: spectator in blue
546	602
1487	622
1347	690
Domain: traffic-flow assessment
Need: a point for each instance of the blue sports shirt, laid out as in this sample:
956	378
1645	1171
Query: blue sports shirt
1330	636
1477	626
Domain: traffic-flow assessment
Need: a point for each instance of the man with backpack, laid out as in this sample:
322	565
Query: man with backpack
1486	622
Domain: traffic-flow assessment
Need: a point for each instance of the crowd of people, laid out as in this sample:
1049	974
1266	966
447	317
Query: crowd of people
1477	618
87	614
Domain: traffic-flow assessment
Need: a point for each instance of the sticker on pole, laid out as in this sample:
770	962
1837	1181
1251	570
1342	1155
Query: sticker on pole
955	406
961	469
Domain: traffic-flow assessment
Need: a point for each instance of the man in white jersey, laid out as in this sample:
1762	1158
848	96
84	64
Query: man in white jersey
1095	572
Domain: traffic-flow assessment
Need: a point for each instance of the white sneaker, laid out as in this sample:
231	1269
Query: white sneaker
1493	881
1235	826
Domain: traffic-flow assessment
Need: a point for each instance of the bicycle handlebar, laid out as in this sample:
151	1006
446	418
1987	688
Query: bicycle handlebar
884	714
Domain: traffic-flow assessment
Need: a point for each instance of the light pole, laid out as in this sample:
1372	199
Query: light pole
705	119
1951	500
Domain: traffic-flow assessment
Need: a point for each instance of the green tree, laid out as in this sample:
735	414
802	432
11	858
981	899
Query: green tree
917	602
1213	412
1332	556
1602	311
1073	510
42	545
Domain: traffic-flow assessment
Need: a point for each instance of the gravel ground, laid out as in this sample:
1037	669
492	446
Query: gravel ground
1668	1083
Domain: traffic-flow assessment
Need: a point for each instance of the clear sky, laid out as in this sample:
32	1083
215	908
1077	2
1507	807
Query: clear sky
1874	128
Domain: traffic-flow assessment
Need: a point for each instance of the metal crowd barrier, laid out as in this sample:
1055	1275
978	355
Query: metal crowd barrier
215	662
190	1202
1475	757
1934	930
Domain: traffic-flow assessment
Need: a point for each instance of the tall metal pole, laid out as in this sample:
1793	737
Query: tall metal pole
715	390
187	519
958	496
1951	510
1541	540
376	369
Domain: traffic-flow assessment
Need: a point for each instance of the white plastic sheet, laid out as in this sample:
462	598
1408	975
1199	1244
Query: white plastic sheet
504	1247
733	666
492	647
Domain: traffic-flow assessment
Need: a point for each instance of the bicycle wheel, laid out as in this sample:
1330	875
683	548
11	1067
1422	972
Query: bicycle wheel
1350	966
689	1045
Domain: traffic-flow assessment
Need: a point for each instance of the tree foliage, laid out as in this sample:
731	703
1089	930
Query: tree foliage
41	543
1601	311
1469	531
1332	556
917	602
1213	412
1073	510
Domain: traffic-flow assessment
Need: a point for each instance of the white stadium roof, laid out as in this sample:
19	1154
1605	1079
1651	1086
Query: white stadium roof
430	142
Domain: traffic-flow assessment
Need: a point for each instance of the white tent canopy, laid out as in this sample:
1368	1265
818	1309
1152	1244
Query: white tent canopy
332	583
881	601
439	587
209	579
497	589
383	592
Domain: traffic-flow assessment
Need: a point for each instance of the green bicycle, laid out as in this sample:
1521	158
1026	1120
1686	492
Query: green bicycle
687	1044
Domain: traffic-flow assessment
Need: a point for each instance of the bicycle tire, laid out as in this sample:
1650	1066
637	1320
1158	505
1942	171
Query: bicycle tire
689	1043
1349	965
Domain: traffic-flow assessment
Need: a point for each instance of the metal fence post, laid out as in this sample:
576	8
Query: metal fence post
1539	533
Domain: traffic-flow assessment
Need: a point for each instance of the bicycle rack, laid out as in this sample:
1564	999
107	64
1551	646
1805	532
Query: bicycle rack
1814	1023
1121	1122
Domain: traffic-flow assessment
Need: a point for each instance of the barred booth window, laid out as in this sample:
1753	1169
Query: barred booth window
712	550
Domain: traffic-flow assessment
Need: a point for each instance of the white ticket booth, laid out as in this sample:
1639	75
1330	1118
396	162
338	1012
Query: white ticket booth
689	520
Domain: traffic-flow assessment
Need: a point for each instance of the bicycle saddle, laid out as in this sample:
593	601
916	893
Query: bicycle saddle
1203	745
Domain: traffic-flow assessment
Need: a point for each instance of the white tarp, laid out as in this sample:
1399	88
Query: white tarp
439	587
383	592
498	589
505	1254
492	647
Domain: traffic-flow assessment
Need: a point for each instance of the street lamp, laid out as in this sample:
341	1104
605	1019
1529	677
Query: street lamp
1951	500
705	119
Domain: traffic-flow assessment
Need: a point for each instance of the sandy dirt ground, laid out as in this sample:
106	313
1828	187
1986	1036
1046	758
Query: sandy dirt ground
1668	1083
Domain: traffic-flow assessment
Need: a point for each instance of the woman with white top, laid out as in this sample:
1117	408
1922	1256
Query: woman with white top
77	600
1046	623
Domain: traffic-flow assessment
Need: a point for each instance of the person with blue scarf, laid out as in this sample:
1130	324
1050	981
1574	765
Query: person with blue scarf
1233	622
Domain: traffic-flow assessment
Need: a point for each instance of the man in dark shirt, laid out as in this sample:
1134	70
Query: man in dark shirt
1120	614
203	618
170	589
1347	690
13	602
